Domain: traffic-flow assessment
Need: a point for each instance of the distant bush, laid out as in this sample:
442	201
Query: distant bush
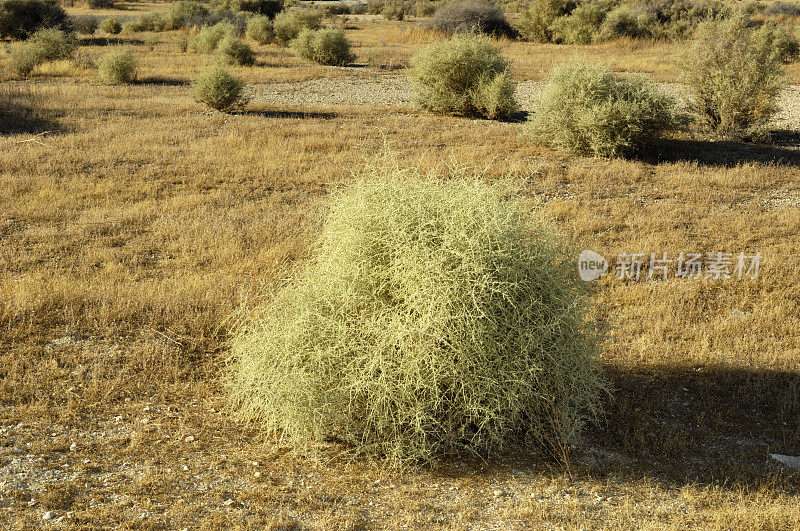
776	38
259	29
233	51
218	89
100	4
733	78
783	8
375	7
434	317
465	16
423	8
209	37
327	46
111	26
85	24
623	21
339	8
43	46
465	76
393	11
586	109
581	26
117	67
289	24
535	22
269	8
176	17
21	18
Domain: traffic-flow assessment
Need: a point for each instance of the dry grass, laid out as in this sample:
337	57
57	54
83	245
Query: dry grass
137	224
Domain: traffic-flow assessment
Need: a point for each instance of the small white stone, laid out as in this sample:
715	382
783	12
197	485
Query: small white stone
73	447
257	474
48	515
498	493
189	438
228	502
186	467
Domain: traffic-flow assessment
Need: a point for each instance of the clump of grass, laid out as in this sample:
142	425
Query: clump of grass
259	29
734	78
117	67
288	24
218	89
234	51
586	109
433	317
111	25
465	76
466	16
327	46
45	45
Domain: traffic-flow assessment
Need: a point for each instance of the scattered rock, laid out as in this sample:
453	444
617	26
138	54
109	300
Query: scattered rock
787	460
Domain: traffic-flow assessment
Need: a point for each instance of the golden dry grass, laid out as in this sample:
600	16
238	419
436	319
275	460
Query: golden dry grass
141	220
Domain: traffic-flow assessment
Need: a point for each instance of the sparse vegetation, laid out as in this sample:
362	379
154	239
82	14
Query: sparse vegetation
289	24
465	76
218	89
326	46
588	110
465	16
117	67
734	76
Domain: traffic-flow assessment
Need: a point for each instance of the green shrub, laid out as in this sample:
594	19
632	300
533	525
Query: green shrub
100	4
733	79
375	7
393	11
176	17
434	317
423	8
45	45
623	22
233	51
534	24
259	29
289	24
21	18
111	26
586	109
581	26
218	89
326	46
85	24
24	58
117	67
466	16
461	76
268	8
778	40
209	37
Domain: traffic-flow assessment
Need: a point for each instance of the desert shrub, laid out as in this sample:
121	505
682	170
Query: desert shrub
622	21
581	26
434	317
783	8
111	26
100	4
234	51
535	22
327	46
733	79
423	8
289	24
393	11
117	67
461	76
776	38
269	8
85	24
218	89
677	18
21	18
259	29
209	37
465	16
24	58
375	7
180	15
586	109
45	45
338	8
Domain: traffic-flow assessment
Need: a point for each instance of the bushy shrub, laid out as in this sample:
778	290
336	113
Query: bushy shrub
375	7
535	22
100	4
623	21
85	24
111	26
340	8
677	18
259	29
393	11
465	76
268	8
776	38
434	317
21	18
733	79
180	15
117	67
464	16
45	45
209	37
289	24
233	51
783	8
586	109
218	89
327	46
423	8
581	26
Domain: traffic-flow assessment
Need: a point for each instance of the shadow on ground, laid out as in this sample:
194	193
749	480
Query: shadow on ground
290	114
783	148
